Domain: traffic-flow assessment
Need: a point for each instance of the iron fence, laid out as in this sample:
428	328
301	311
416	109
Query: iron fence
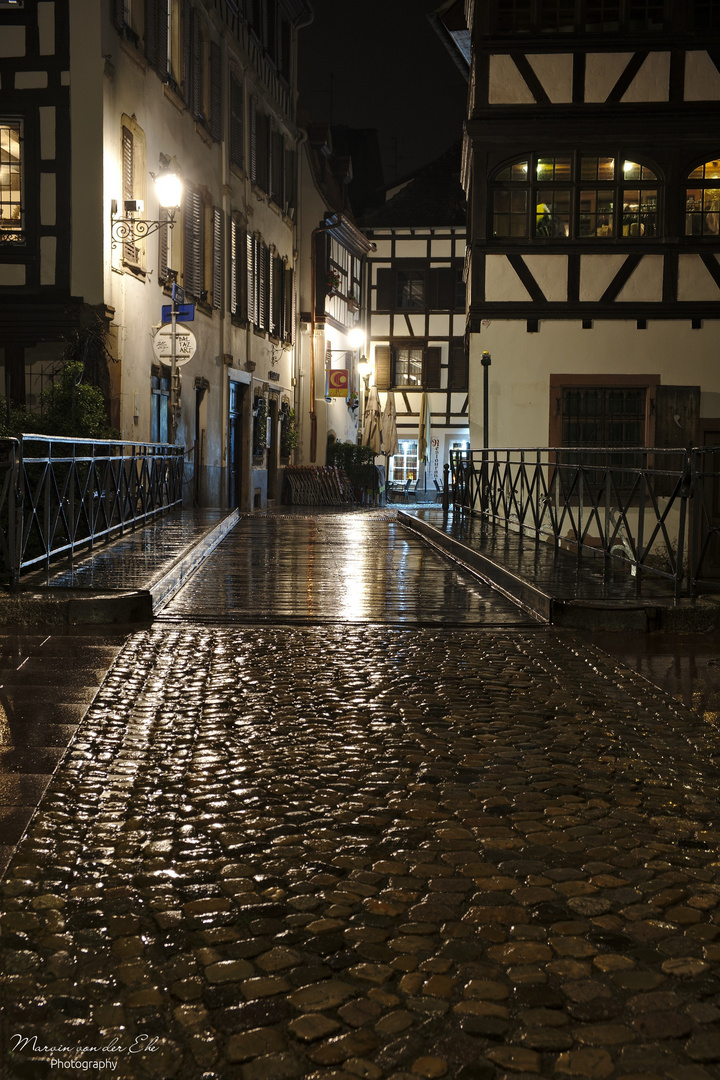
655	511
60	495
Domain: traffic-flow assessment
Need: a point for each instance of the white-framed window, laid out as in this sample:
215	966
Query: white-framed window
403	466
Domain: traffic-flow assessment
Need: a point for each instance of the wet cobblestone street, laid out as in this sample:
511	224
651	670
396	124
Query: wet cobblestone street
380	824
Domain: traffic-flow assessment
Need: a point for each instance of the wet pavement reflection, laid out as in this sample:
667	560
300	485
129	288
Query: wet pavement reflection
684	665
335	568
342	814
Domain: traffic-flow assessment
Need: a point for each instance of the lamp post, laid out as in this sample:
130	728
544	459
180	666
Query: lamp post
485	360
130	229
168	186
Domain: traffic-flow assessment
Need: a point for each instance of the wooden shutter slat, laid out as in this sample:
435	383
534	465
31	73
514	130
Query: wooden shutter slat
215	91
253	140
251	281
187	52
385	290
217	256
194	242
130	251
161	65
118	14
383	361
163	246
196	62
237	122
459	368
151	28
431	367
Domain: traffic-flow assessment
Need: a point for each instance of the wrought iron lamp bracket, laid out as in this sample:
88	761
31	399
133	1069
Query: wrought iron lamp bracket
125	230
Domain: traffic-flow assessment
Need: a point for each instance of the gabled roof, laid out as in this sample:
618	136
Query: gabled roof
449	24
432	196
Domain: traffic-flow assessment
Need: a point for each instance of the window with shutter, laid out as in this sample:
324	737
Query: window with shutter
254	139
289	304
197	76
459	368
163	247
441	288
151	31
383	365
215	91
236	265
277	155
262	281
284	46
187	40
217	256
237	122
130	251
431	368
118	14
262	125
289	167
385	295
252	289
194	247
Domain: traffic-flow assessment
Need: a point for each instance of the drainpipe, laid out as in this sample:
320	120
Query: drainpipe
313	280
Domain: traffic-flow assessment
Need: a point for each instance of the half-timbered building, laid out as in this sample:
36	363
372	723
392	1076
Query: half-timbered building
98	96
592	171
417	314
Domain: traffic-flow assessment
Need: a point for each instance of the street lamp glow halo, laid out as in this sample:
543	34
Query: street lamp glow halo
356	337
169	189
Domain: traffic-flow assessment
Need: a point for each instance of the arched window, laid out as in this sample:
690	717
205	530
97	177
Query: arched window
574	196
702	200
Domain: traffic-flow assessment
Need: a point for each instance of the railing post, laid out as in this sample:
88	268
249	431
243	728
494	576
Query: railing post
640	534
686	490
15	514
579	526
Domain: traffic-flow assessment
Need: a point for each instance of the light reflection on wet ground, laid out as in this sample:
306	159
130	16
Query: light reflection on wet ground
684	665
341	568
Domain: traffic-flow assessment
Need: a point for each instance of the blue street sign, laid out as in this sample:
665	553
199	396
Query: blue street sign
178	293
185	313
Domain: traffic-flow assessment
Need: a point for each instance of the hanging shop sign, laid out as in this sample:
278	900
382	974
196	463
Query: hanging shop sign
338	382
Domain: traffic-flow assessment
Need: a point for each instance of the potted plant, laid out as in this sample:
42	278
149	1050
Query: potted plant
260	426
332	282
288	433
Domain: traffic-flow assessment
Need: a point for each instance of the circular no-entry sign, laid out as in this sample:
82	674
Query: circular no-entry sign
185	344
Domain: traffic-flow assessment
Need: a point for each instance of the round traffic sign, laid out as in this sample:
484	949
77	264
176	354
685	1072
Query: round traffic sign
185	344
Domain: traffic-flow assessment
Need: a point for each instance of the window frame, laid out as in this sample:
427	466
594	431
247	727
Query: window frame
560	196
11	237
527	18
708	215
133	166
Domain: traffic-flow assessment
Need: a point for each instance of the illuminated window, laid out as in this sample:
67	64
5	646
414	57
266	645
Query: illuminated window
404	464
582	196
12	229
702	200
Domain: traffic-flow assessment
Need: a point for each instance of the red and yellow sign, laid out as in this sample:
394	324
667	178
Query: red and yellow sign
338	382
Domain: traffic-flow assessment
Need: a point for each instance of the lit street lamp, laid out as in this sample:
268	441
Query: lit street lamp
129	229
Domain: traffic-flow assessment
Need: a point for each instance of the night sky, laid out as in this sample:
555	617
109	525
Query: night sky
389	71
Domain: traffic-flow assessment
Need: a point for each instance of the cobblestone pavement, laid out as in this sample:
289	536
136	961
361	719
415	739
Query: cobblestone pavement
364	850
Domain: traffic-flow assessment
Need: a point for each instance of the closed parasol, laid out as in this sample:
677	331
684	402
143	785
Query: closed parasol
388	426
424	429
371	420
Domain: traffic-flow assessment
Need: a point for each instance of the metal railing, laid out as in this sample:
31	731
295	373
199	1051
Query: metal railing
60	495
657	512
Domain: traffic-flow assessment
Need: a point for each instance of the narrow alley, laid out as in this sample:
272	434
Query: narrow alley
343	812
